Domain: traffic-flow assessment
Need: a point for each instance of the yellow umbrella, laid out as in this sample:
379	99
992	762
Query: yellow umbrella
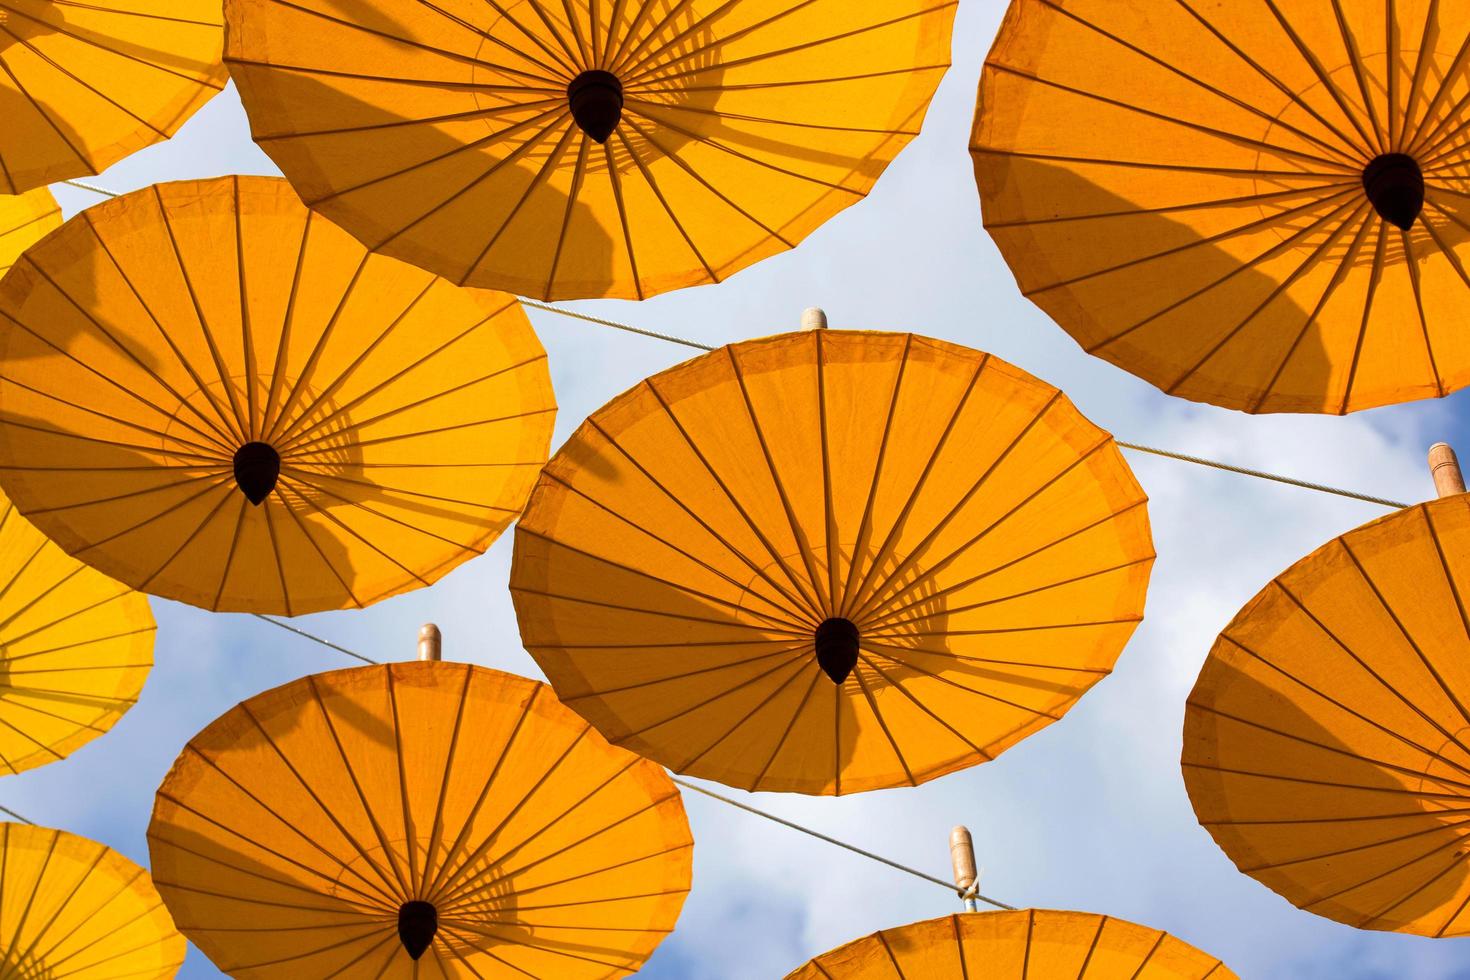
576	150
24	220
213	395
418	820
1030	944
75	648
831	561
1258	204
1326	742
82	85
71	908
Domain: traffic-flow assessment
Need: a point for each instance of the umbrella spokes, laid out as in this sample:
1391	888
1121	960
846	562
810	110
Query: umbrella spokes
837	648
1395	185
597	103
417	924
257	468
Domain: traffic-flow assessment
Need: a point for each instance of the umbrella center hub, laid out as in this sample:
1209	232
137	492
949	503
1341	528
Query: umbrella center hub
597	103
1395	186
417	924
257	468
837	648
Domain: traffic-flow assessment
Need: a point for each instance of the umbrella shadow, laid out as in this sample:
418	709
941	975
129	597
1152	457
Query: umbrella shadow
1318	820
1190	313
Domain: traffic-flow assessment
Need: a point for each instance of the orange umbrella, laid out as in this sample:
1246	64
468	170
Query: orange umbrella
24	220
1258	204
83	85
567	150
71	909
1326	742
1030	944
214	395
831	561
418	820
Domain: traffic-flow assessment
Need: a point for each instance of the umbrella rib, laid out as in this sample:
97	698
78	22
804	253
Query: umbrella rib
1374	279
306	533
1450	920
278	369
392	936
449	887
891	623
323	491
1394	38
1347	155
890	539
1413	141
984	755
84	668
374	898
1252	173
883	725
865	526
488	905
367	809
783	617
616	180
879	594
798	604
1414	281
42	111
578	178
832	543
785	732
1425	750
1322	76
625	55
29	222
211	475
189	538
1352	754
773	623
294	429
1339	275
229	561
908	665
623	608
1373	916
437	880
298	383
803	546
506	941
214	354
812	605
1375	126
13	659
1313	257
247	338
53	965
1404	630
563	58
552	71
30	899
367	905
1367	818
275	543
410	834
208	457
384	884
1454	828
49	750
1431	156
664	203
1327	783
886	612
541	177
436	832
1321	626
476	113
784	652
868	642
1133	210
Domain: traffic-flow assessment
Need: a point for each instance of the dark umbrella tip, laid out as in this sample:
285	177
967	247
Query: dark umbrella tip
837	648
597	103
1395	187
418	922
257	468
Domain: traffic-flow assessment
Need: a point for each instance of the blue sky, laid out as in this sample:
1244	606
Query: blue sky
1089	814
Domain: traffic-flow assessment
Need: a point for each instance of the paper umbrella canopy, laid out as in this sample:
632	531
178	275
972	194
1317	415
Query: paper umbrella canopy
1030	944
24	220
1327	743
82	85
75	648
1259	204
831	561
418	820
71	908
214	395
566	150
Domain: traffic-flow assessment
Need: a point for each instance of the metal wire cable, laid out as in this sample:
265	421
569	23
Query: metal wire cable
948	886
317	639
1165	453
91	187
11	813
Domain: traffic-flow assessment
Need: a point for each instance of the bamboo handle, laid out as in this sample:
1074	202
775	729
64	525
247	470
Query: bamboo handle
431	642
1445	468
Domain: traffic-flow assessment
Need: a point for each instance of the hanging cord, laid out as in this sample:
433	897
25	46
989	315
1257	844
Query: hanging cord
11	813
315	639
947	886
91	187
1167	454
